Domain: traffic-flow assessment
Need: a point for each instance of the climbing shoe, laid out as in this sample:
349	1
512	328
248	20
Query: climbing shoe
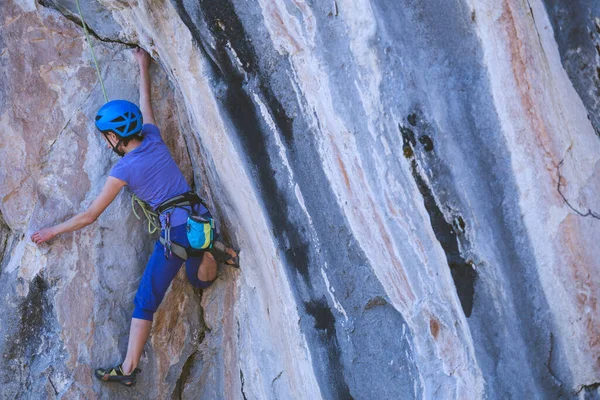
219	251
115	374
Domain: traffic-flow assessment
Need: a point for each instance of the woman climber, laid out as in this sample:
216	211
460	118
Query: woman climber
153	176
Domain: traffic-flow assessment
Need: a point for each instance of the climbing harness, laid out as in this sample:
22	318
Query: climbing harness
200	231
87	35
188	199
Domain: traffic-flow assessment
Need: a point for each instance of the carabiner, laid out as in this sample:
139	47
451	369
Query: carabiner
168	252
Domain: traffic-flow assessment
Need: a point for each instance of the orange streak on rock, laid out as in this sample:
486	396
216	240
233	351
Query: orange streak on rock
403	290
434	327
582	284
522	61
230	333
391	207
343	169
405	287
282	27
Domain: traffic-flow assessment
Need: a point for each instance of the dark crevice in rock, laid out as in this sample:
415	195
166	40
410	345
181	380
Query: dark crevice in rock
53	387
203	326
374	302
426	142
590	390
324	319
76	19
412	119
185	373
557	381
588	213
242	385
30	338
325	325
192	359
46	157
536	28
198	37
5	233
34	309
576	33
462	270
188	152
277	377
408	141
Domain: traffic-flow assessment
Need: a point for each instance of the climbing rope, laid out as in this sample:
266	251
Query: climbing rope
87	35
151	216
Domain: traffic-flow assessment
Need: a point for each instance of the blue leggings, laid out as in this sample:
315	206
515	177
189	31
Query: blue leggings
161	271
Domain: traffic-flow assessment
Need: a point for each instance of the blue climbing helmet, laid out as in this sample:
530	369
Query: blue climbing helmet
121	117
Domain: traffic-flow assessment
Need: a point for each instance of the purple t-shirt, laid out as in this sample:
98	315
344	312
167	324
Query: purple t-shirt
152	174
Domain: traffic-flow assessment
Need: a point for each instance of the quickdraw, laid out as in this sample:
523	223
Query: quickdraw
168	244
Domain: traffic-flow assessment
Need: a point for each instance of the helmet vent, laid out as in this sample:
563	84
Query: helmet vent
133	126
118	119
121	128
98	117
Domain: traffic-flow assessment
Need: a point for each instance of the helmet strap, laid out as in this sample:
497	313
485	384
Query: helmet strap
115	147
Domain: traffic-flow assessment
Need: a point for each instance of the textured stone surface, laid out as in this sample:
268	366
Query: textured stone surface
414	185
576	28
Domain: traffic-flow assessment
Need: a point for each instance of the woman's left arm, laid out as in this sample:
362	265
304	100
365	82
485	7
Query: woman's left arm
83	219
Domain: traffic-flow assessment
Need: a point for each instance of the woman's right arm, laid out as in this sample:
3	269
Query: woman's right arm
107	195
143	59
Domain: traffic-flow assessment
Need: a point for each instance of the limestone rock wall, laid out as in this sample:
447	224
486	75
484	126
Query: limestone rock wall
413	184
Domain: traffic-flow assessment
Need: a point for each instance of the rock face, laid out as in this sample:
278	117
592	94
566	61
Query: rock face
414	184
